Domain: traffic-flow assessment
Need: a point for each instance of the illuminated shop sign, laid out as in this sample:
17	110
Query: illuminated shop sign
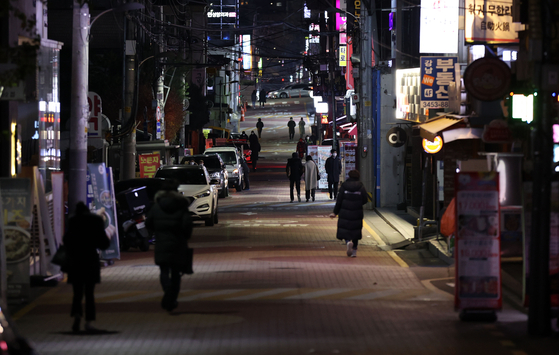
247	52
436	75
216	14
314	28
490	21
408	101
433	147
439	26
523	107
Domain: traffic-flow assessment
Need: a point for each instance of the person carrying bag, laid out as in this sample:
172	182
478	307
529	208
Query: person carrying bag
170	221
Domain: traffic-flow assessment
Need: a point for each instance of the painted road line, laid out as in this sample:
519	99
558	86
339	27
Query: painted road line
316	294
397	259
260	293
34	304
209	295
375	294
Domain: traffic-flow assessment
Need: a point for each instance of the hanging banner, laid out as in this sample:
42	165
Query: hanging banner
348	151
436	74
478	258
149	163
16	225
101	200
553	242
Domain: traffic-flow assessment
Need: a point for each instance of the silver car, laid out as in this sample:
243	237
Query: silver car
291	91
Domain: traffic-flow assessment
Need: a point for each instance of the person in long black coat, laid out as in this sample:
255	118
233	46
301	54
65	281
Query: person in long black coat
254	149
294	170
349	209
333	167
85	235
170	221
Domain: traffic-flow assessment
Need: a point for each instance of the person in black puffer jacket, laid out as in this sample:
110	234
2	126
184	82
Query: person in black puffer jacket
170	219
349	207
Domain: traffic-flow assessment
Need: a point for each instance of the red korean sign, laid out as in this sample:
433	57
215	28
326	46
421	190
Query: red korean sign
477	254
149	163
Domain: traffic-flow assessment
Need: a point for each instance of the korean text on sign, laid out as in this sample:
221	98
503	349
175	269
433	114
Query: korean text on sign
436	75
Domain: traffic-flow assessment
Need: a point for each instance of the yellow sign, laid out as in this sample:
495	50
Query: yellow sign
433	147
343	56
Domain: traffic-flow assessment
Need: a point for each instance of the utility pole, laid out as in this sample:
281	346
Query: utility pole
365	129
331	77
128	146
539	312
159	87
79	107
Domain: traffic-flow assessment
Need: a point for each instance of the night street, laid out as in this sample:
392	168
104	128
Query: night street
270	278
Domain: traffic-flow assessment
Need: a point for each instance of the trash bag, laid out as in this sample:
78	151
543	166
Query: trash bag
448	221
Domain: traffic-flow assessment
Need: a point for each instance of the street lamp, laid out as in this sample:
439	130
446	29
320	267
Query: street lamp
79	106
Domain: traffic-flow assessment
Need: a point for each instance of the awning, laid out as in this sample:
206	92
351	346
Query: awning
353	131
432	128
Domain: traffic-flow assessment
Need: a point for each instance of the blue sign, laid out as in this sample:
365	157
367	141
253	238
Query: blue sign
101	200
436	75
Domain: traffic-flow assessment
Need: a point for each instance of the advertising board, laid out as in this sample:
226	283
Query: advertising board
436	74
490	21
478	258
101	200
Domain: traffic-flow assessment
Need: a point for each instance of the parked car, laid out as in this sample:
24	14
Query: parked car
295	90
232	159
194	183
216	168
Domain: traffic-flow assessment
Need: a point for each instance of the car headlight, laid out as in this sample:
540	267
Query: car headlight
236	172
203	194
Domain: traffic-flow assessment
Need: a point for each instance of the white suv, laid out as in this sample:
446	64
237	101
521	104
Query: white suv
232	159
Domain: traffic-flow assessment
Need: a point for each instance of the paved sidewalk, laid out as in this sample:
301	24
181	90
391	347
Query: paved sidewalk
402	234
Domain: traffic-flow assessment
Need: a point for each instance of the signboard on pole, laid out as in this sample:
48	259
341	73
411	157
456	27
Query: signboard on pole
95	123
149	163
478	258
436	74
101	192
16	224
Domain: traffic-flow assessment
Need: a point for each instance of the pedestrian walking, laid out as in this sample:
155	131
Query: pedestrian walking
262	98
333	168
253	98
294	170
349	209
170	221
254	149
301	128
311	178
259	126
243	135
85	235
245	173
301	148
291	125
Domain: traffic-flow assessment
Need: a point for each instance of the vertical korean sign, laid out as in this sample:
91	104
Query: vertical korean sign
16	224
436	74
101	190
478	258
149	163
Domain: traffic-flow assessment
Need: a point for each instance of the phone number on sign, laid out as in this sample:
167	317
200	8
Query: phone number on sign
435	104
